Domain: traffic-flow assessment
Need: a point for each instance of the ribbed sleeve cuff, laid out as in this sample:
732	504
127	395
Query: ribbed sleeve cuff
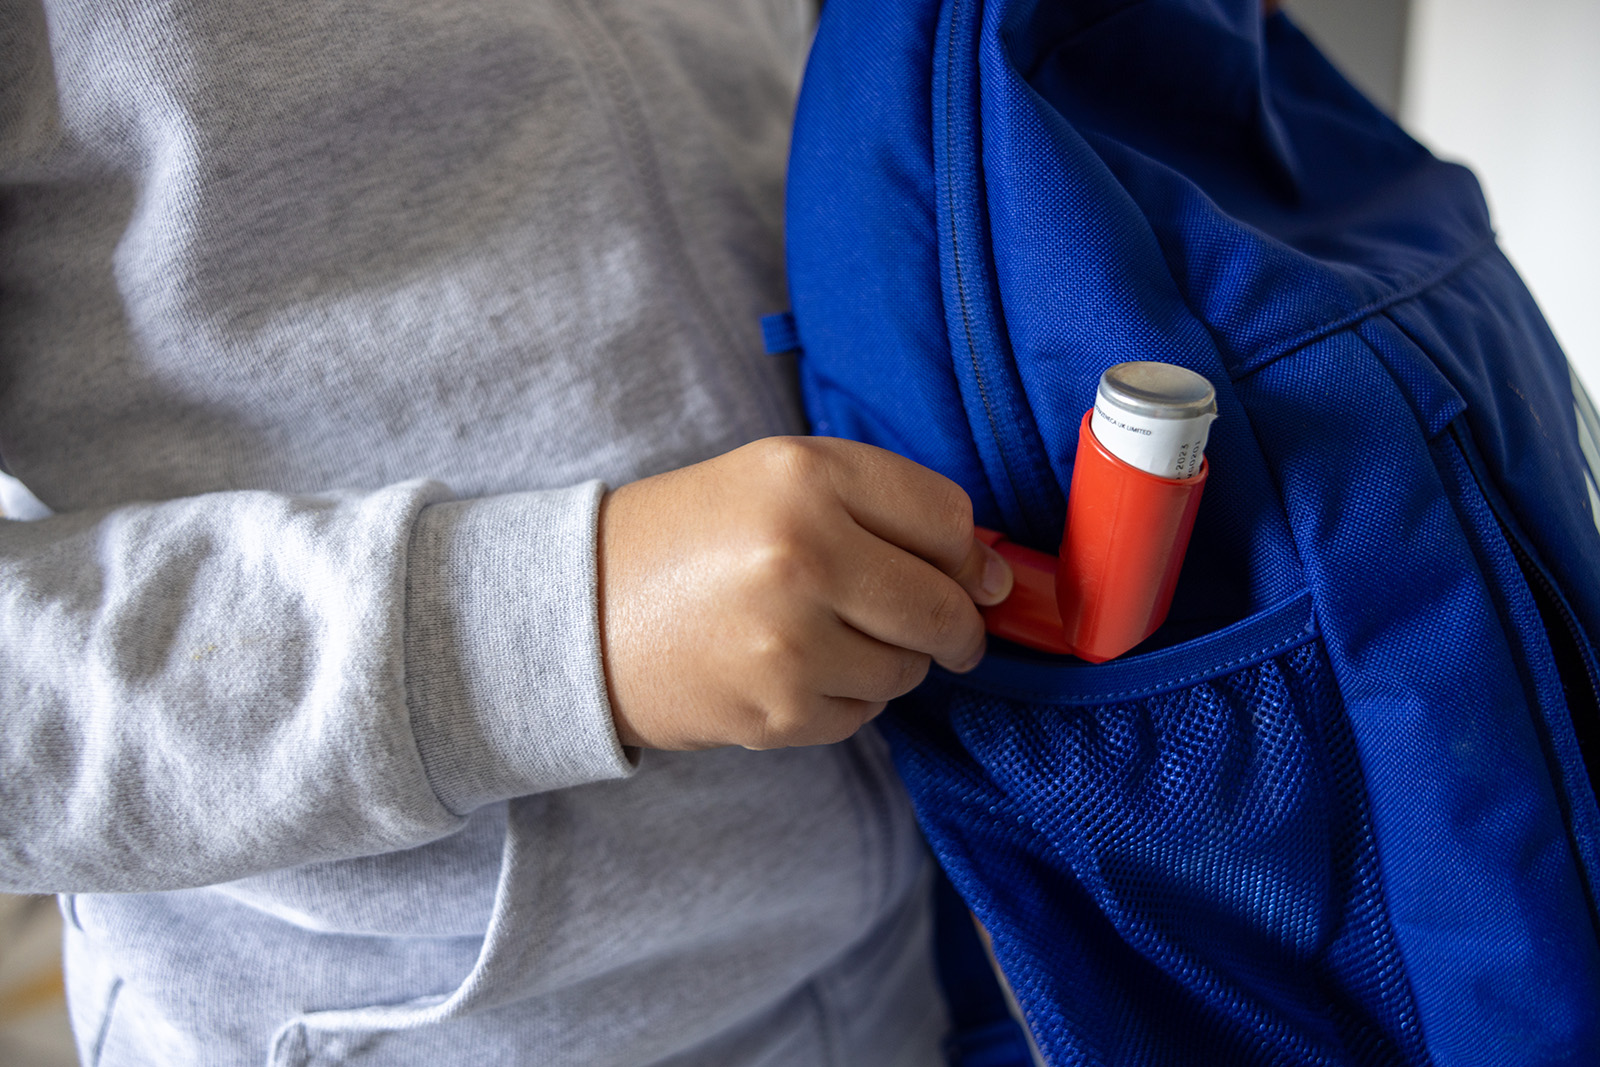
503	671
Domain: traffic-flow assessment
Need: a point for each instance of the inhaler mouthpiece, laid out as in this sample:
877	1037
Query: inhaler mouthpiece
1155	416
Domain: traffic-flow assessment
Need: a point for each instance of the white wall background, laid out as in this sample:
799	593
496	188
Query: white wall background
1366	38
1512	89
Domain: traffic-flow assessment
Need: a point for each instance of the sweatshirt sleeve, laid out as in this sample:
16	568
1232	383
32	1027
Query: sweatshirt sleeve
206	688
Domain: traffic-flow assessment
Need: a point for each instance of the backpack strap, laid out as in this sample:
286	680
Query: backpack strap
983	1032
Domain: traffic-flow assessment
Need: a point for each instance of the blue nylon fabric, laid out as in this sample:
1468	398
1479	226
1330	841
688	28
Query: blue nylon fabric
1068	238
1463	471
1063	680
1487	335
1031	500
1197	884
876	270
1478	863
984	1032
779	335
1336	811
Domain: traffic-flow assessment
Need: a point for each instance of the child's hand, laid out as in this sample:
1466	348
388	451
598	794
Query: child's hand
782	593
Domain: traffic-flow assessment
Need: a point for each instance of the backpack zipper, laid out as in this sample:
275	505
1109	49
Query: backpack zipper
1580	682
1570	649
1572	657
1024	497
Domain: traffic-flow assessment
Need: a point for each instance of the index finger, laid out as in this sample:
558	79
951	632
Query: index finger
920	510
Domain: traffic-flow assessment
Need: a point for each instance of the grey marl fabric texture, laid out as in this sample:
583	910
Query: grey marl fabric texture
322	327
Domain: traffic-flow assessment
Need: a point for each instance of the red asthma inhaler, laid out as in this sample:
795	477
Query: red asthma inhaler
1136	486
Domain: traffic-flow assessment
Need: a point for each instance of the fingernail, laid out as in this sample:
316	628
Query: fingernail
996	584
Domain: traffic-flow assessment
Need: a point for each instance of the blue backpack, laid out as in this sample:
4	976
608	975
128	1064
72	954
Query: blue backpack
1339	809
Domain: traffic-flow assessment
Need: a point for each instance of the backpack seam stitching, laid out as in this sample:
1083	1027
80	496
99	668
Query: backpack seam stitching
1265	357
1001	451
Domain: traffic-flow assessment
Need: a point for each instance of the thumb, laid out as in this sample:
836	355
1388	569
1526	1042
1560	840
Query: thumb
984	574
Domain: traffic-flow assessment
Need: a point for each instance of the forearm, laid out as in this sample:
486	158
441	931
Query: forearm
206	688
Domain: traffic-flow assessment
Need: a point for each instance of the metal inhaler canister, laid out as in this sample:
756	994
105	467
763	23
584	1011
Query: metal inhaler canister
1136	487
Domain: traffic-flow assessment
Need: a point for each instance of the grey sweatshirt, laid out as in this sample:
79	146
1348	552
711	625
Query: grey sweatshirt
320	329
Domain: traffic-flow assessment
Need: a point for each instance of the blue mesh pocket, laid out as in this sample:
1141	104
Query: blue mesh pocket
1175	858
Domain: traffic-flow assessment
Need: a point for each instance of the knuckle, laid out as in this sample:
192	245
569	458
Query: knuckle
870	710
789	721
769	728
796	460
851	719
764	739
841	719
781	559
913	669
953	513
957	628
946	617
775	654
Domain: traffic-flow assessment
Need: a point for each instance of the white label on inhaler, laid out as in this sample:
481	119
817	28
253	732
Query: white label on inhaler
1168	448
